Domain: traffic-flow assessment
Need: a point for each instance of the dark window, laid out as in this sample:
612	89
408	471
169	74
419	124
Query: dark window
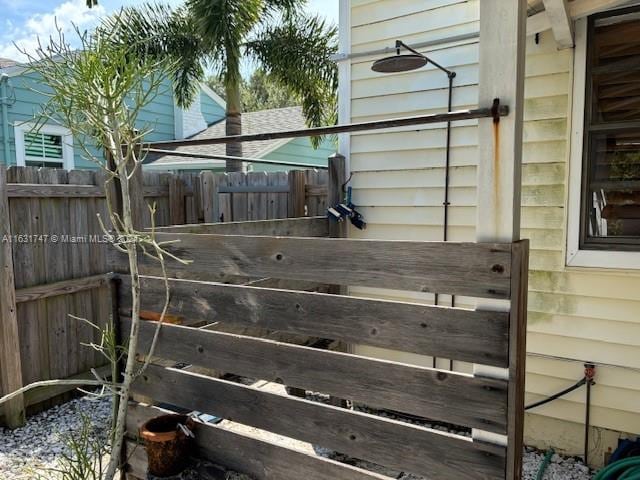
611	179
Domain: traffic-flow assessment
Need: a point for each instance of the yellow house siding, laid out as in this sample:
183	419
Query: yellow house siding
398	180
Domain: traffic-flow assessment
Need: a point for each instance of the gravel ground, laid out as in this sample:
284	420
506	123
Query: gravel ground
560	468
39	445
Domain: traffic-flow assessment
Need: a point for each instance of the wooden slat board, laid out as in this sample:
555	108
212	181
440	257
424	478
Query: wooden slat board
456	333
288	227
25	214
472	269
28	190
447	396
80	267
63	287
517	357
266	460
391	443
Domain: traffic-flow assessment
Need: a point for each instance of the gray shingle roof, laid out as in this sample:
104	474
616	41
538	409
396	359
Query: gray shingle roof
288	118
7	62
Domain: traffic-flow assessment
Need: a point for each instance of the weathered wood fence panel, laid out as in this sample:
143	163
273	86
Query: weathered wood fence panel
471	402
59	254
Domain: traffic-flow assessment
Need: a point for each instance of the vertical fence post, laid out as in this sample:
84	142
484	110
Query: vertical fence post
139	209
335	193
10	363
176	200
209	194
139	212
501	75
297	193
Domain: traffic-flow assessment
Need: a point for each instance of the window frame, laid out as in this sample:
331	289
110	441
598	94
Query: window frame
21	129
606	255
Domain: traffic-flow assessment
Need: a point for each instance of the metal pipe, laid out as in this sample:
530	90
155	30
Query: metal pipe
589	373
446	181
447	163
207	156
431	43
400	43
4	78
496	111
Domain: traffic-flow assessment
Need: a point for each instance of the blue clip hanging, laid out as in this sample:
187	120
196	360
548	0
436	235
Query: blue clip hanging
347	210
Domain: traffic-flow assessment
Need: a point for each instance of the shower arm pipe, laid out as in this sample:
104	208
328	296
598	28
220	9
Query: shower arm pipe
401	44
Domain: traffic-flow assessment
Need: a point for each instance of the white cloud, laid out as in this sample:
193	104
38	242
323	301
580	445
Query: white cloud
24	36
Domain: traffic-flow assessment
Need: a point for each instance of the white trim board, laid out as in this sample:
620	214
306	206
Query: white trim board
612	259
185	165
344	81
68	154
578	9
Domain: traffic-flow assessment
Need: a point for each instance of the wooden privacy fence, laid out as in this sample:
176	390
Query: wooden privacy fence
488	337
54	256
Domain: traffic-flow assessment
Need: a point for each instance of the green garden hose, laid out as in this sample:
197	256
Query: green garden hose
545	463
625	469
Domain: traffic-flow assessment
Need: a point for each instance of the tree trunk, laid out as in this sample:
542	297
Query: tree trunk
234	122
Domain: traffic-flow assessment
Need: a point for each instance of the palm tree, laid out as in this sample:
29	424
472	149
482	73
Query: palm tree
292	48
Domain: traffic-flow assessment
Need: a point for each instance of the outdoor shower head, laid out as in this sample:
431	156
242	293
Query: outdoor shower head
400	63
405	62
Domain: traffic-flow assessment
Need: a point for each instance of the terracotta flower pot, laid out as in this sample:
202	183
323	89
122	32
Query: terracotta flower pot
167	445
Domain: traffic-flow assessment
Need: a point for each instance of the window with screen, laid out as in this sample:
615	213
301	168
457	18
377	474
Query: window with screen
611	179
43	150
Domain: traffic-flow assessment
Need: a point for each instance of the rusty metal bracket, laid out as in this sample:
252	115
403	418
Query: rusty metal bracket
495	110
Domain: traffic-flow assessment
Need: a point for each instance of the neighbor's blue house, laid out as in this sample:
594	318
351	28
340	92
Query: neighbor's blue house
52	145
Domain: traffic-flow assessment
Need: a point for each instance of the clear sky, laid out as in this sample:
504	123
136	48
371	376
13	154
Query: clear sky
23	21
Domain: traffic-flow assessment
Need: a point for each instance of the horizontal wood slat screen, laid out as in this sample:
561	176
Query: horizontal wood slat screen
472	269
190	355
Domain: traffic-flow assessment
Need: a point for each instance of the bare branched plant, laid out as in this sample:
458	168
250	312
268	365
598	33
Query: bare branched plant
98	92
82	454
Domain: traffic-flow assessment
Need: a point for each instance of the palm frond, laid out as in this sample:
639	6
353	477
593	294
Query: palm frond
223	26
160	33
297	54
287	8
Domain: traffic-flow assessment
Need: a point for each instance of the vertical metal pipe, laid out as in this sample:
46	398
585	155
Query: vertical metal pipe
447	161
445	235
589	372
445	223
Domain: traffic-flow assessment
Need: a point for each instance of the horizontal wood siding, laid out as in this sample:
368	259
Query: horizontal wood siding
398	180
30	99
298	150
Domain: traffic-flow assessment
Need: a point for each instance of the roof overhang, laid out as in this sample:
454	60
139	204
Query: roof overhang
558	15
